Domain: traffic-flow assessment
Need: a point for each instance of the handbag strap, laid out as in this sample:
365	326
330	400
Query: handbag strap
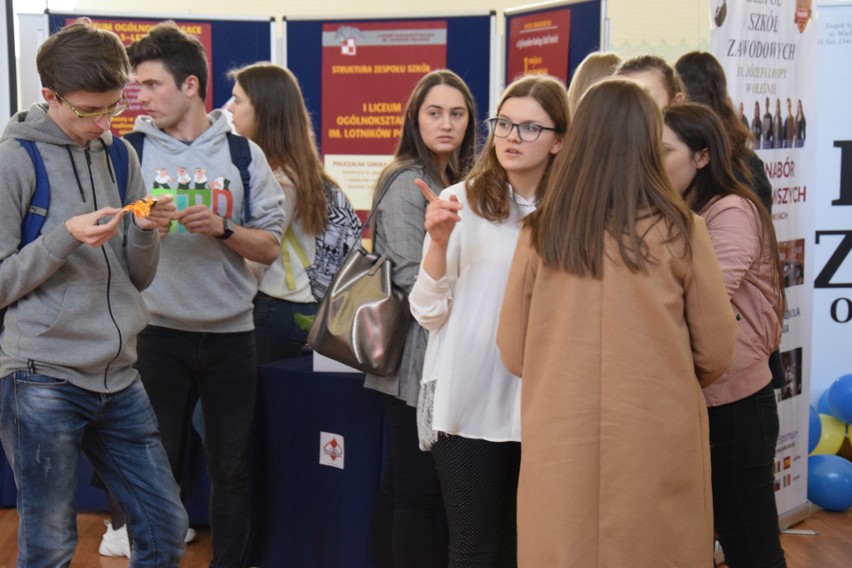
375	208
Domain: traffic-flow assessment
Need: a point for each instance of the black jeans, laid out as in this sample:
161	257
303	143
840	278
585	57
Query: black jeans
275	329
479	480
409	528
743	435
220	369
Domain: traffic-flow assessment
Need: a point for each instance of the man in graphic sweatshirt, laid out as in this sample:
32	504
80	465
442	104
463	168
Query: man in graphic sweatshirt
200	341
73	311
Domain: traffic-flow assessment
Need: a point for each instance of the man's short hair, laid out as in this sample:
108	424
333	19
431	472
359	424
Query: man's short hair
82	57
181	54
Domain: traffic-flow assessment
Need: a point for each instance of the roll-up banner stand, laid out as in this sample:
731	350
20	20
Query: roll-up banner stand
768	52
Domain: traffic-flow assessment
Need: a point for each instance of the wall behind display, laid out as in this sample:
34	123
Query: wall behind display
638	26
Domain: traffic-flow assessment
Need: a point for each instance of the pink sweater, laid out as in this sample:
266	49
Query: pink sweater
734	225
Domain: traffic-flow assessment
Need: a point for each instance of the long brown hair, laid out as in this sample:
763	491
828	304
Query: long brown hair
699	127
284	133
487	181
704	80
412	150
611	176
596	66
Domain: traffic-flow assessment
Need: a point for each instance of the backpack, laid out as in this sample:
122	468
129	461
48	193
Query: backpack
341	233
240	157
33	220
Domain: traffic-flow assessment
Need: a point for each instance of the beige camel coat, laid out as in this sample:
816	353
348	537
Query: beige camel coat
615	467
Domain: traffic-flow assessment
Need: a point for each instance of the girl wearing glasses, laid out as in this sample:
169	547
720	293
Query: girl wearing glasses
468	413
437	145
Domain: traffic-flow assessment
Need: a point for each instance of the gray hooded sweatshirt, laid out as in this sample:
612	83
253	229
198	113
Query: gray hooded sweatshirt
73	310
203	285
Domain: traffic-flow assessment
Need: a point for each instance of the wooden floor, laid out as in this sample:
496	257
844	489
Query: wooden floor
831	547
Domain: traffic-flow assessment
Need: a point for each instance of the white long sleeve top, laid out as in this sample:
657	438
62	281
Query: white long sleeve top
475	395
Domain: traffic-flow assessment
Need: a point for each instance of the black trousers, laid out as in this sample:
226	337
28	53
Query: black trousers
479	480
409	528
743	435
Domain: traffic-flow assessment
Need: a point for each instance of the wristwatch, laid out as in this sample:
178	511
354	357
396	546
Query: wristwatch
227	229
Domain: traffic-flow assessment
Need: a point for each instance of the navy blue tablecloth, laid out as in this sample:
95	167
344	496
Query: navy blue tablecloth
312	514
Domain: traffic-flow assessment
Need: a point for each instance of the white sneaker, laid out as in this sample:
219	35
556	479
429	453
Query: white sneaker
114	542
190	535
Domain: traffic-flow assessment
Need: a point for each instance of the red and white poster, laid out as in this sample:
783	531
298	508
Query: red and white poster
538	43
368	72
131	30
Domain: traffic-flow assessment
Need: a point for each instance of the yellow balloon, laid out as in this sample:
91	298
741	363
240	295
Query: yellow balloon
833	434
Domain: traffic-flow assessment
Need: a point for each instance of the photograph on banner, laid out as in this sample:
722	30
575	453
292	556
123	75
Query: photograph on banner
129	30
767	50
538	43
368	72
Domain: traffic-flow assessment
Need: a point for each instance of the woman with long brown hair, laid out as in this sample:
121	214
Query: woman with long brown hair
437	145
268	108
468	411
741	404
614	317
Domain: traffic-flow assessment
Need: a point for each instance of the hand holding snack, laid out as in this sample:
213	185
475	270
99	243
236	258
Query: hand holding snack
153	212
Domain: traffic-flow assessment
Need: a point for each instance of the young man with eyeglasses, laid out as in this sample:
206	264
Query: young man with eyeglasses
200	341
74	309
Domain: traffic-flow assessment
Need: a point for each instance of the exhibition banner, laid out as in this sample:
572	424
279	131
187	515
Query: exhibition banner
538	43
832	330
368	72
768	49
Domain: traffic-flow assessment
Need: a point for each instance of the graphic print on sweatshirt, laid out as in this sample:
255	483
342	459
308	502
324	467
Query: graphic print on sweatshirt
194	188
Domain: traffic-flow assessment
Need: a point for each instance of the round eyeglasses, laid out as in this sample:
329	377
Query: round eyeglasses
110	113
527	131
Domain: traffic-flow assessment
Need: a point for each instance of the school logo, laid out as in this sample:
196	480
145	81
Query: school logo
331	450
803	14
348	47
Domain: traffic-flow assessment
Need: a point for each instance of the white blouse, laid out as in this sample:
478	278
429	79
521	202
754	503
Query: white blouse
475	396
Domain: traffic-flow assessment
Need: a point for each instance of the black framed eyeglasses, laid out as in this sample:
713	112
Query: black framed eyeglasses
119	108
527	131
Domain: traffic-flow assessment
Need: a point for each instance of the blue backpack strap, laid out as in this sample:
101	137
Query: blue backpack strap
241	157
121	164
33	220
137	140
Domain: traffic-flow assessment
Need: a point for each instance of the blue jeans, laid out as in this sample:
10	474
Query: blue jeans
44	424
743	435
275	329
180	367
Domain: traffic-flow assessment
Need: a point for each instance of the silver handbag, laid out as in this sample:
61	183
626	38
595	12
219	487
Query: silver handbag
363	319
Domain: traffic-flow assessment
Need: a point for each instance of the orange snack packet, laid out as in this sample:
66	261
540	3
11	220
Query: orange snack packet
142	207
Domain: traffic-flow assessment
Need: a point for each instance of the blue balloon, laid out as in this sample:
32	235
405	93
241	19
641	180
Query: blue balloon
840	399
822	403
830	482
814	429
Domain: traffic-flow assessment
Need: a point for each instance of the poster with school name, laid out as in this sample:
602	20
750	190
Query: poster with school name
538	43
768	49
128	31
368	72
